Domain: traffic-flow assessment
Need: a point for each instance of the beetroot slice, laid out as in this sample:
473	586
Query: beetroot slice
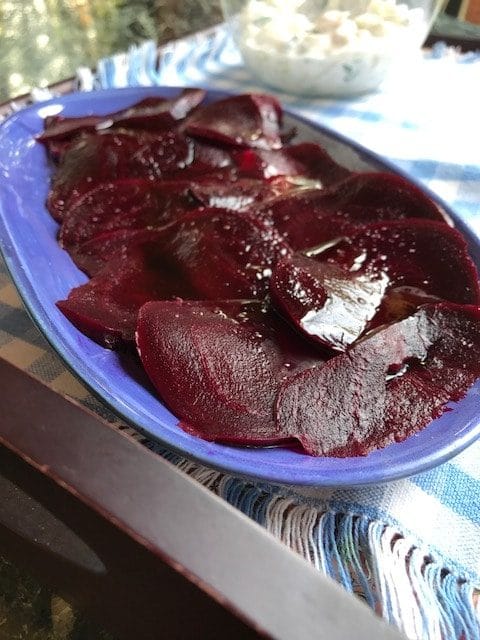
205	255
251	120
306	159
426	255
159	113
389	194
309	217
87	162
125	204
106	307
219	253
139	204
224	255
387	387
152	113
325	302
59	128
239	195
92	256
377	275
218	366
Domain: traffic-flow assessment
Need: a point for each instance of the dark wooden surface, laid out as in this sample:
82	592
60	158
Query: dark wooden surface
140	546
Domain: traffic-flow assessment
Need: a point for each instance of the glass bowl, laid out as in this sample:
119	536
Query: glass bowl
328	47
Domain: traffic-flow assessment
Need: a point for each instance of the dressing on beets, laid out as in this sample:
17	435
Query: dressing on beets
274	297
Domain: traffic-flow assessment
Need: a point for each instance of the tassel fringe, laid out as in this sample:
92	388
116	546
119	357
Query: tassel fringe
392	573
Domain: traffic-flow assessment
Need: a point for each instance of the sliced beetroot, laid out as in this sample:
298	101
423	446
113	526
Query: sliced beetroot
317	164
237	195
125	204
327	303
303	219
387	387
224	255
156	113
92	255
428	256
106	307
379	274
140	204
153	113
308	160
112	156
202	256
58	128
389	194
169	153
251	120
218	366
87	162
310	217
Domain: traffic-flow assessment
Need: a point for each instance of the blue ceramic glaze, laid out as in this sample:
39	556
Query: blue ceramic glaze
44	273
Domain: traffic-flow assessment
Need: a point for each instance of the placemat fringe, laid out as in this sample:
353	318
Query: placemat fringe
400	581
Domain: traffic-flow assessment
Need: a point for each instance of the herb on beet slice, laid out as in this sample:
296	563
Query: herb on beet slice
379	274
385	388
250	120
218	365
125	204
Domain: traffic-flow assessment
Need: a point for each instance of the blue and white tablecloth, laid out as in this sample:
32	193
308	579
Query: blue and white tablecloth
411	548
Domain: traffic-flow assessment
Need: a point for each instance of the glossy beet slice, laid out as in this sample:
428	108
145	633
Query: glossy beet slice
106	307
159	113
379	274
219	253
223	254
387	387
218	366
428	256
391	195
251	120
89	161
308	160
125	204
327	303
58	128
153	113
112	156
205	255
238	195
92	255
310	217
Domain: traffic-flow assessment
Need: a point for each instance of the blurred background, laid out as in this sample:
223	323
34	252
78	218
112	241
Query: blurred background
44	41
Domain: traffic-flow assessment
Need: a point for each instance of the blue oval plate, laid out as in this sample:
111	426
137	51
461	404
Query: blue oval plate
44	274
